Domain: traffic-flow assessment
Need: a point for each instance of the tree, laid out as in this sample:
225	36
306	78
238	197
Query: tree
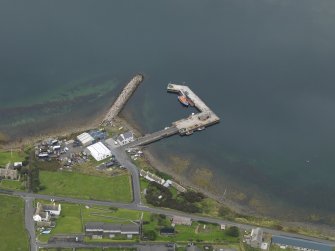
233	231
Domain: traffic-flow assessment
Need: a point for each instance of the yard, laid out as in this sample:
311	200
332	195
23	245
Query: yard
197	232
10	157
116	188
13	235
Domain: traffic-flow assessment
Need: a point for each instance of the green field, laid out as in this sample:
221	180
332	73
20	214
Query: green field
71	184
11	184
13	235
10	157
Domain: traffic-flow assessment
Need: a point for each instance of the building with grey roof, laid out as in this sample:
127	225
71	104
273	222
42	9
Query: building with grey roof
125	138
300	244
98	230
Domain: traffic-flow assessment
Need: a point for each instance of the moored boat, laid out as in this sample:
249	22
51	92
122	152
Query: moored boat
183	99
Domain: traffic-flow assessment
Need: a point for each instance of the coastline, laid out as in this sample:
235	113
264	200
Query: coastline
126	119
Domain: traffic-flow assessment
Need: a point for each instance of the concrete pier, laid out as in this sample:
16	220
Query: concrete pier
149	138
198	121
186	126
122	99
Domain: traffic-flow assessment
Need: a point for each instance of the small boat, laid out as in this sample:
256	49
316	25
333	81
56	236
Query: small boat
201	128
183	99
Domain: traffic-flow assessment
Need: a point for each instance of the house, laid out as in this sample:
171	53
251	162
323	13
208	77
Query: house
125	138
44	212
178	220
52	209
8	174
256	237
299	244
98	230
167	231
41	216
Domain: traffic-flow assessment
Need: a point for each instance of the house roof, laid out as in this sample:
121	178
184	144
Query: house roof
50	207
285	240
128	135
181	220
167	230
110	227
94	226
130	228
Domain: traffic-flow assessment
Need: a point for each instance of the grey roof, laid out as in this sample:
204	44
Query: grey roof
94	226
110	227
285	240
50	207
130	228
128	135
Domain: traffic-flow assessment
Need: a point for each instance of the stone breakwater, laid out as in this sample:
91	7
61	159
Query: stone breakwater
122	99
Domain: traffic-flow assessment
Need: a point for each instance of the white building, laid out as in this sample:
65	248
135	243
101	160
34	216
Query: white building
99	151
85	139
125	138
43	212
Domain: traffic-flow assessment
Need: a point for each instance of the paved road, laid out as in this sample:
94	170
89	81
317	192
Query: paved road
29	222
125	161
144	247
167	212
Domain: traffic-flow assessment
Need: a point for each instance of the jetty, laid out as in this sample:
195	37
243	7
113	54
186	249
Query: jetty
197	121
185	126
122	99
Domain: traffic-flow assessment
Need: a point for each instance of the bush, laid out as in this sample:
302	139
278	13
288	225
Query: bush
191	196
233	231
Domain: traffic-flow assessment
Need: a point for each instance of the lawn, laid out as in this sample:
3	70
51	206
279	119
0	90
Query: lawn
13	235
11	184
117	188
10	157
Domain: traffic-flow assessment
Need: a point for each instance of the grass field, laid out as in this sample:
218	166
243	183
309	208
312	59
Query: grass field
117	188
13	235
7	157
11	184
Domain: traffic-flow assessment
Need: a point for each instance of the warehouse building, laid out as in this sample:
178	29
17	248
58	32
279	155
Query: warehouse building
99	151
85	139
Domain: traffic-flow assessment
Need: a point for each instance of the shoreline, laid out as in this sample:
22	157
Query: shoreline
126	119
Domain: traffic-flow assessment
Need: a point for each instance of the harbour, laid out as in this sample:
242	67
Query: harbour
185	126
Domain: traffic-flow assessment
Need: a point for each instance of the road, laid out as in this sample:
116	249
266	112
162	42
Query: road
29	222
139	246
167	212
125	161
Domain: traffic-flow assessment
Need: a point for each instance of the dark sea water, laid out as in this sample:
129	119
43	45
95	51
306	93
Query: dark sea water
266	67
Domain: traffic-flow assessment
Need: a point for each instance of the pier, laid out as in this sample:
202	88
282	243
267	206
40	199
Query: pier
149	138
122	99
186	126
198	121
